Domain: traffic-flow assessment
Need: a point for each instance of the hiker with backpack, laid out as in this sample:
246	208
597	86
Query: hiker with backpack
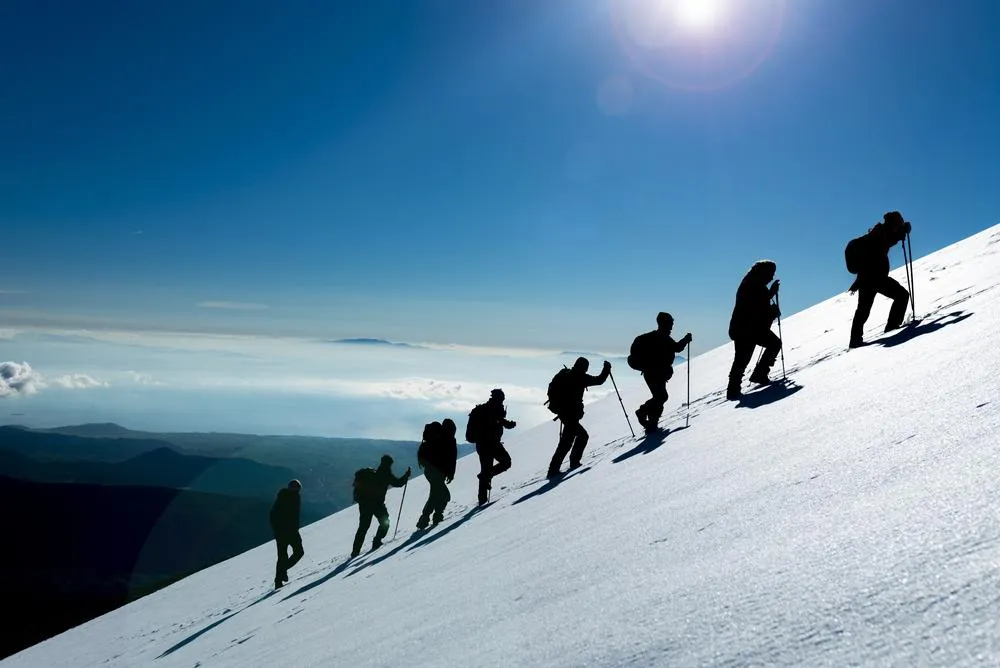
485	429
868	257
652	354
566	401
284	518
437	456
750	326
370	487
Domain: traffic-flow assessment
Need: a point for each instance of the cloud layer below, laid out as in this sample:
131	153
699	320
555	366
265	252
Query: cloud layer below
270	384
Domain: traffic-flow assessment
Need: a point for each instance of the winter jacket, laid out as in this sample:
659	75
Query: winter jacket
878	242
285	512
753	312
578	383
659	351
374	490
495	422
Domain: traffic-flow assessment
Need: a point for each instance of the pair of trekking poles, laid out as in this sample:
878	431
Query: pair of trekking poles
908	261
777	305
687	419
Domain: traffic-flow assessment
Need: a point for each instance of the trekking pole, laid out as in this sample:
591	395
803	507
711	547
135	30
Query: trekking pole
912	278
906	267
777	303
909	277
610	375
400	508
687	419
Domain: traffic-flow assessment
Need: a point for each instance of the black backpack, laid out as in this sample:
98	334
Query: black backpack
476	428
430	444
854	253
641	353
559	390
364	481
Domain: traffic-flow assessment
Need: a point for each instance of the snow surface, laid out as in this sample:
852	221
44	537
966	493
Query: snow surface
850	519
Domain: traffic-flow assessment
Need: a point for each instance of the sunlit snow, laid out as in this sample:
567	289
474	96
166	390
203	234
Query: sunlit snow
850	518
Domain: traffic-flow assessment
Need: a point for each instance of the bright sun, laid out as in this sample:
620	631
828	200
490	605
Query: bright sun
696	14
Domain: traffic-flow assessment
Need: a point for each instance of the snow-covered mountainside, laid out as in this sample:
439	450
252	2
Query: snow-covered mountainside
851	517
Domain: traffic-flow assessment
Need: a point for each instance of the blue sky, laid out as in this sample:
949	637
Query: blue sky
511	174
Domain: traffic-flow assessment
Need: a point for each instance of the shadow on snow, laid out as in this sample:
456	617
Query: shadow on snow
550	485
648	444
768	394
194	636
469	514
922	327
332	574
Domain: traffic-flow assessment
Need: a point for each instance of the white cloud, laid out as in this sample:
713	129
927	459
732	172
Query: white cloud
19	378
78	381
233	306
142	378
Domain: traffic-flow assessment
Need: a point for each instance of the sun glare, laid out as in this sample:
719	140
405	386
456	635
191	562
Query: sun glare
696	14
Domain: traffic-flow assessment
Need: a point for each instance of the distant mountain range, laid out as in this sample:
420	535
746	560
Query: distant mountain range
162	467
374	342
235	464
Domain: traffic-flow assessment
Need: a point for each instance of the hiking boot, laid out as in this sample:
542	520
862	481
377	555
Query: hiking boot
553	474
423	522
284	577
733	394
760	378
376	544
641	417
278	583
438	518
575	465
355	552
855	343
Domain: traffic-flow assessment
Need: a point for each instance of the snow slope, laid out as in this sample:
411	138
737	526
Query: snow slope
851	518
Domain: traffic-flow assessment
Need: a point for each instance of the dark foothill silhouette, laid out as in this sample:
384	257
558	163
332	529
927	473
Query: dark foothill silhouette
285	525
652	354
566	401
869	256
485	429
750	326
370	487
437	456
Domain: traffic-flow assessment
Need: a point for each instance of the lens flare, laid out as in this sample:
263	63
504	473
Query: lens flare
697	14
698	44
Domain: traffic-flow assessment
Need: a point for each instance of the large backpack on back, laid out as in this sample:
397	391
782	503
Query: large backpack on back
558	391
364	481
855	252
430	443
641	353
475	430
